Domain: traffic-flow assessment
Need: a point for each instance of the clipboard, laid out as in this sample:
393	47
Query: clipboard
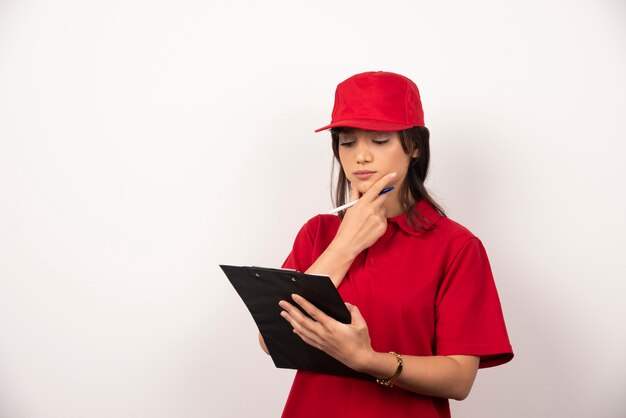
262	288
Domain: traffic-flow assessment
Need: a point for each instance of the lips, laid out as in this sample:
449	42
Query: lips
364	174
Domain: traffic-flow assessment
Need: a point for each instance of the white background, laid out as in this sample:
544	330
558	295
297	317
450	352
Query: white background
143	142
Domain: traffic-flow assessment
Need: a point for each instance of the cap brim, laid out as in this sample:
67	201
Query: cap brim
367	124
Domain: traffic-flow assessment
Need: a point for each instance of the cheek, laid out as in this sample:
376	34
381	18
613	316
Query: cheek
399	160
342	159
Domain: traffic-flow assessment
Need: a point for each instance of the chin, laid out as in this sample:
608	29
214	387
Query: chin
362	188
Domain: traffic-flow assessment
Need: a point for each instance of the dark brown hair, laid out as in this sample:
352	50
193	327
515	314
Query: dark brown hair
412	189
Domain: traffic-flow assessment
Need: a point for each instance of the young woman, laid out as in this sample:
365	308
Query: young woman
425	310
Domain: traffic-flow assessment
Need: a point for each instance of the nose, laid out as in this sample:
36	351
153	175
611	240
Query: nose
363	152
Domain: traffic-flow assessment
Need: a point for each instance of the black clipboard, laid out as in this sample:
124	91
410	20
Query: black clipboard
262	288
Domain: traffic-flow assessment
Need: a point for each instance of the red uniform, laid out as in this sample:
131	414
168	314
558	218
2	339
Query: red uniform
421	293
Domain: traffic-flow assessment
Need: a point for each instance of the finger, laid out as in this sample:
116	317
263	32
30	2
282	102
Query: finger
303	326
293	313
355	314
308	334
295	324
308	338
377	187
311	309
379	200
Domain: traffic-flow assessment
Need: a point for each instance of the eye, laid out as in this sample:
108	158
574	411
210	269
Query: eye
380	141
346	144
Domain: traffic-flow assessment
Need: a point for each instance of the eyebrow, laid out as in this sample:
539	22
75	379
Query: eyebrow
345	134
380	135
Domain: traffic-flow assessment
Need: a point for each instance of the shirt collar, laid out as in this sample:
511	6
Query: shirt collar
426	210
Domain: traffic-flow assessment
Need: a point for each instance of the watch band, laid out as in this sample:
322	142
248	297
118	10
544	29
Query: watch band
389	381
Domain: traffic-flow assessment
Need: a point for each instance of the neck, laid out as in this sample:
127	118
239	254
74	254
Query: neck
393	206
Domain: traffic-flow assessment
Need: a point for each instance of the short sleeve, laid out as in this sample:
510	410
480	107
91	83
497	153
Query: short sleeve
301	256
469	319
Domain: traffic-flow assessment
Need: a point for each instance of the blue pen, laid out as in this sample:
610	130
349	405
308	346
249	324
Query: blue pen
349	205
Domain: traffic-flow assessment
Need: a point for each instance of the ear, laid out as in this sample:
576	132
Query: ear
415	153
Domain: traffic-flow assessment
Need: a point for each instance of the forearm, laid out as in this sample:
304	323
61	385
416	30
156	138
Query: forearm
440	376
262	344
333	262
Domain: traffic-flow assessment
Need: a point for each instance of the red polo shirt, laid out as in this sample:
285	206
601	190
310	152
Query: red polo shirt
421	293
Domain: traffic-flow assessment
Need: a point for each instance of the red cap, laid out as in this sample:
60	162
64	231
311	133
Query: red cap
377	101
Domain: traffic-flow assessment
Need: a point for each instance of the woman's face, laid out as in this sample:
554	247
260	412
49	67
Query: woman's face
366	156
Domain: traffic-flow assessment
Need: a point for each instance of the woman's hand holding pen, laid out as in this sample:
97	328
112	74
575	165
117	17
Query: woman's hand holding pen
361	226
364	222
348	343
